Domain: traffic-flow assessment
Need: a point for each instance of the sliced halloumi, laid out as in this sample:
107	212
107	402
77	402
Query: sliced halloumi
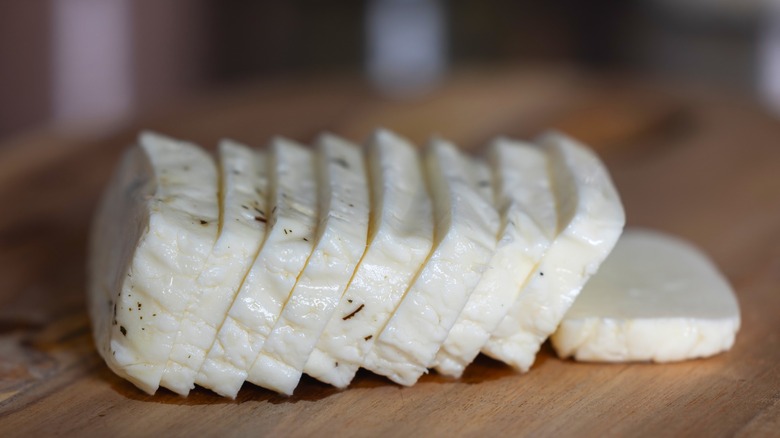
655	298
466	226
590	220
400	238
292	223
154	230
244	187
340	243
526	203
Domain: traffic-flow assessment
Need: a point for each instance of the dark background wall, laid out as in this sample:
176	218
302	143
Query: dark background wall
176	48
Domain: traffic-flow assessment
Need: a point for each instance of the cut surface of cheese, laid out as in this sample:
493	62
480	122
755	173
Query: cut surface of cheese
155	227
526	204
339	245
466	225
244	187
590	220
291	213
400	238
655	298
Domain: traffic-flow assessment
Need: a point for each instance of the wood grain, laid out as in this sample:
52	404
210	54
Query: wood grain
702	165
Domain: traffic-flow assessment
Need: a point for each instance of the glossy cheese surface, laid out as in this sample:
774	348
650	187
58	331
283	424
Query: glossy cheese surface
655	298
400	238
340	242
466	225
526	204
153	232
243	217
292	220
590	220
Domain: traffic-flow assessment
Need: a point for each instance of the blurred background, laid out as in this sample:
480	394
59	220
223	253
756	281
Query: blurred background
81	62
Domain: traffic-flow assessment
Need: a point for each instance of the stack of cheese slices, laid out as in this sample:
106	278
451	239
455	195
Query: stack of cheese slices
269	263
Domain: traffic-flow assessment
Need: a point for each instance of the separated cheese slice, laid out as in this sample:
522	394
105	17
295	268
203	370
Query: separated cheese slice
400	238
340	242
590	219
528	224
655	298
466	225
261	297
154	230
244	185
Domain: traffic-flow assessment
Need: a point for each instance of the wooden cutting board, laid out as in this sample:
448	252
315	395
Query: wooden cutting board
700	164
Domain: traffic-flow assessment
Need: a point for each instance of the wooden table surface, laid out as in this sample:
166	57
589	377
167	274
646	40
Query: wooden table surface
697	163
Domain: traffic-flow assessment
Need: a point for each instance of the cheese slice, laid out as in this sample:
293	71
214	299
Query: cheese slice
154	229
244	186
292	222
590	220
400	238
526	204
656	298
340	243
466	225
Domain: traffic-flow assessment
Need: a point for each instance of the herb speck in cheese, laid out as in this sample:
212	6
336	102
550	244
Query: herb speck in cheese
354	313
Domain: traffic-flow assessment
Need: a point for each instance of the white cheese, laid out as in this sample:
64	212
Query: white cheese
261	297
466	225
400	238
655	298
340	243
590	220
244	185
154	229
526	204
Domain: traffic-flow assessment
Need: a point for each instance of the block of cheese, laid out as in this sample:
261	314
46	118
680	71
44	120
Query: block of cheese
400	238
465	229
656	298
339	245
154	229
292	215
244	186
590	220
526	204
